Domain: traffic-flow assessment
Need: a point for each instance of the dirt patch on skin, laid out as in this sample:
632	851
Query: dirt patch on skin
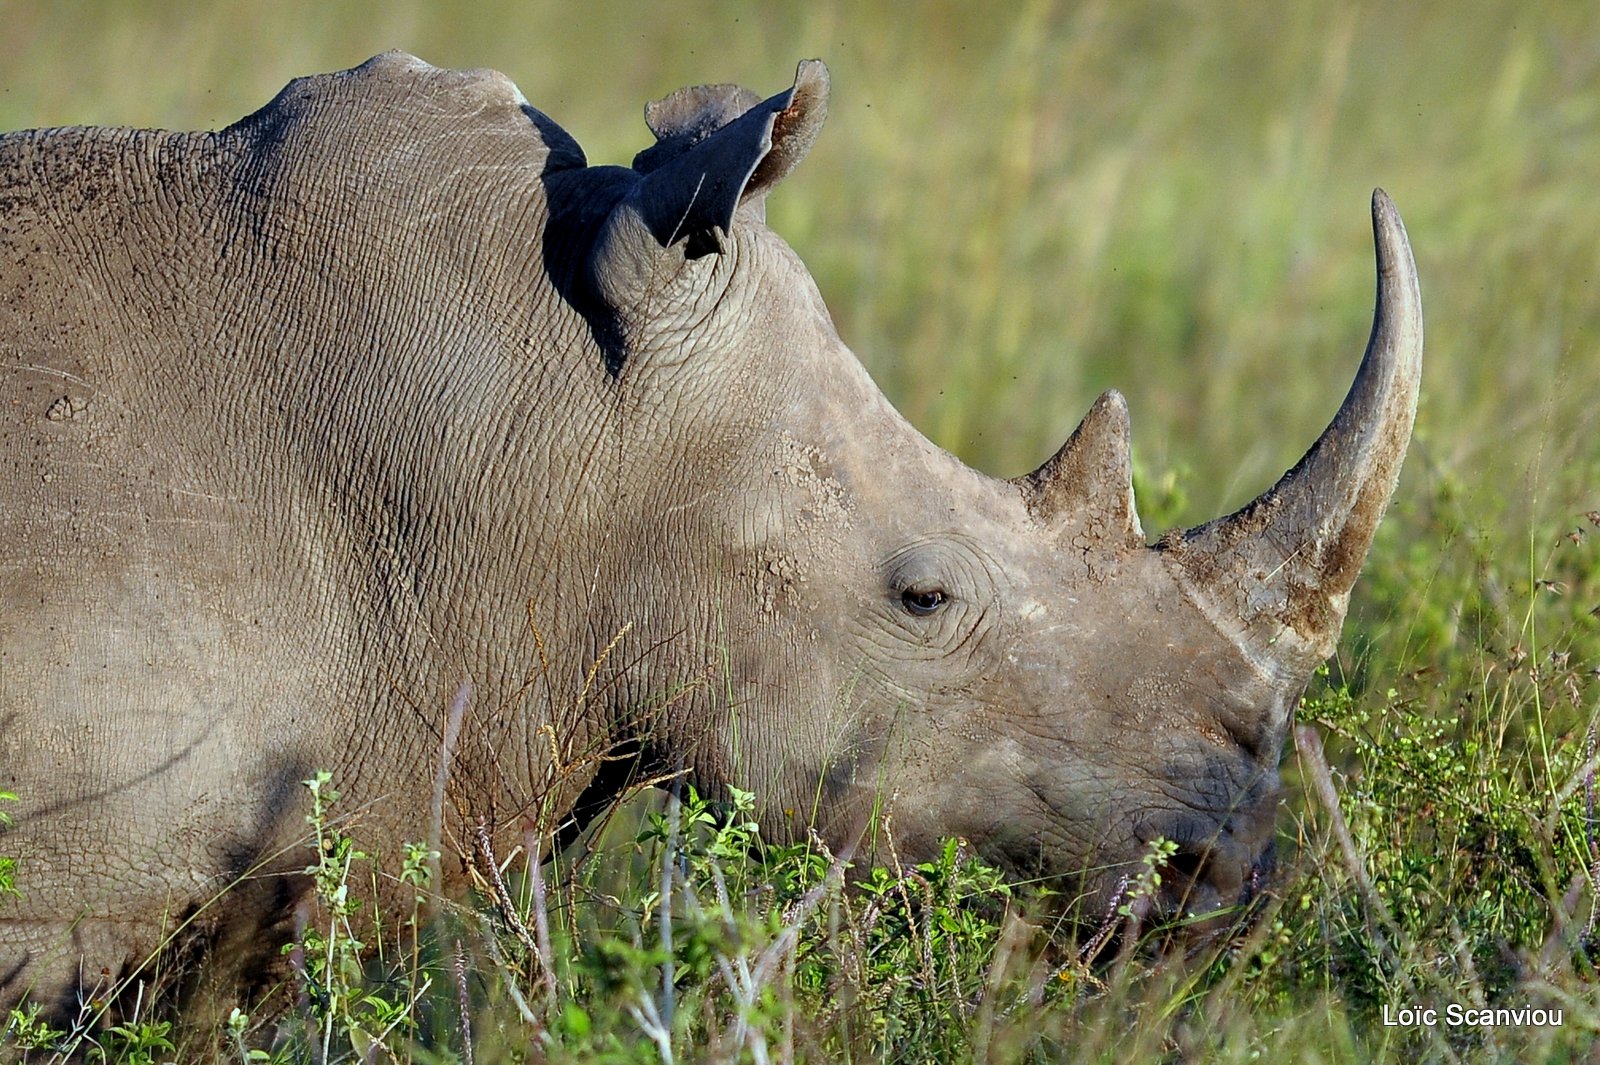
807	521
778	577
822	501
64	409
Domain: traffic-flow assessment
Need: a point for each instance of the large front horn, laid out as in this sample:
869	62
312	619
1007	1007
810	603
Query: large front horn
1276	575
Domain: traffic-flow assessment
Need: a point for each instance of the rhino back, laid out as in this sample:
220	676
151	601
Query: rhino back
267	398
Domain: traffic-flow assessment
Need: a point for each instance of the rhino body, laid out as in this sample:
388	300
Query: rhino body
383	388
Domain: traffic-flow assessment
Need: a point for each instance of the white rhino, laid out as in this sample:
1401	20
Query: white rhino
307	420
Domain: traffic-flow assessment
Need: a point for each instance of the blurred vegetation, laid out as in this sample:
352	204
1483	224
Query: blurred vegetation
1014	209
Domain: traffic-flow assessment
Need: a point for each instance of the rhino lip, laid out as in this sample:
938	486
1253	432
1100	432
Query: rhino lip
1224	857
1198	891
1179	921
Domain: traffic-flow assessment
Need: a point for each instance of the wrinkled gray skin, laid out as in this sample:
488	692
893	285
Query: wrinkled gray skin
304	421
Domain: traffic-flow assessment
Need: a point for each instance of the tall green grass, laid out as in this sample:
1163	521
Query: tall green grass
1009	211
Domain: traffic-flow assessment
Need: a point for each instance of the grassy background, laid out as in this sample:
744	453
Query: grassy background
1014	209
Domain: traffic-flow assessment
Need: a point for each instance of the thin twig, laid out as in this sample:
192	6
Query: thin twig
645	1015
665	910
1309	746
502	897
1588	831
447	754
507	977
464	1000
541	919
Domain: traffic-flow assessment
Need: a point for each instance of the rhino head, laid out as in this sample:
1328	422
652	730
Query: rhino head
896	648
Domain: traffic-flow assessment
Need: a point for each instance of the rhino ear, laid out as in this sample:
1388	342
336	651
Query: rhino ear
687	117
716	149
1087	486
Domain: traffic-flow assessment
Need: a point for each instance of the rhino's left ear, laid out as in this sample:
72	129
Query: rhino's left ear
718	150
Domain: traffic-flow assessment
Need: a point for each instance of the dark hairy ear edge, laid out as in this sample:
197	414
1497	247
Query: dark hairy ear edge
715	153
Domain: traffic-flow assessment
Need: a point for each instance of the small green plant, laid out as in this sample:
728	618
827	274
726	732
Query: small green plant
364	1014
136	1043
8	865
1141	892
26	1030
915	944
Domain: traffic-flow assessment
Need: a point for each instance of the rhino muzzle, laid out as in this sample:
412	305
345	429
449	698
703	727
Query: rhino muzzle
1222	856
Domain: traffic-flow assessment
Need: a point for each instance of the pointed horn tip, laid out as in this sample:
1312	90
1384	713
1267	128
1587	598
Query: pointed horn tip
1389	232
1109	413
1089	480
811	72
1399	312
1386	220
1113	402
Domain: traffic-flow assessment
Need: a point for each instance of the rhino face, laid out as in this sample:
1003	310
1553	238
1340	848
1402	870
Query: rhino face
1060	717
909	649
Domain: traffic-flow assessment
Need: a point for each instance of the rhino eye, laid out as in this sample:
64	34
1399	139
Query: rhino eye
922	601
